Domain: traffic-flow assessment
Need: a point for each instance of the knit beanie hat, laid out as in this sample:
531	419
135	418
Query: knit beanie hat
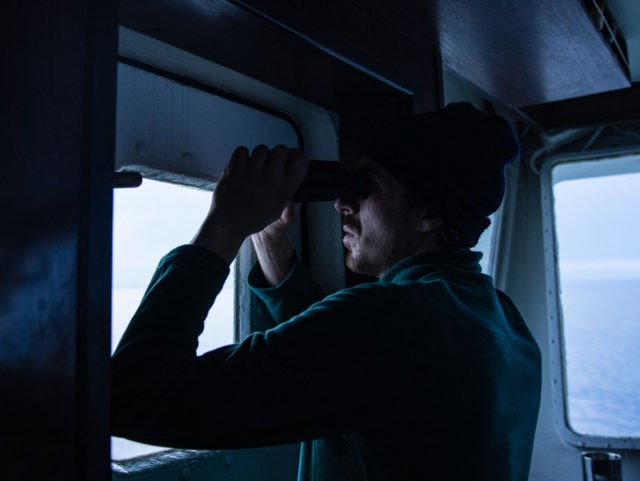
451	161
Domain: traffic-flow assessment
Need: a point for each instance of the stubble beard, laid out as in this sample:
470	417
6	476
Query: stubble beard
359	264
357	260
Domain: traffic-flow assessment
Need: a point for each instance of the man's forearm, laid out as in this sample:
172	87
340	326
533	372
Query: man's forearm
161	340
275	255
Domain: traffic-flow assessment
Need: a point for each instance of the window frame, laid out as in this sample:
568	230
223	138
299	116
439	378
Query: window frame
172	457
309	121
494	242
244	304
558	376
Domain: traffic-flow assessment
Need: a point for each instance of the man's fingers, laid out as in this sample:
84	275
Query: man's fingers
290	213
260	153
297	167
278	161
280	171
240	155
290	166
260	150
255	188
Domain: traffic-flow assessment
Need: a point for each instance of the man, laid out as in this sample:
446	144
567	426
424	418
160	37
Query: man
428	373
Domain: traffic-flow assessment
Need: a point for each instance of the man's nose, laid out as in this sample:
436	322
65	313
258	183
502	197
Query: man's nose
346	205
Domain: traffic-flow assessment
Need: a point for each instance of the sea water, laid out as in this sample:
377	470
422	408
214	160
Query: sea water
601	324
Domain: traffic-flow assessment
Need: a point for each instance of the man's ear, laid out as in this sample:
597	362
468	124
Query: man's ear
429	224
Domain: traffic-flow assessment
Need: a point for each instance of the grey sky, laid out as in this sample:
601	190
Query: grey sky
598	226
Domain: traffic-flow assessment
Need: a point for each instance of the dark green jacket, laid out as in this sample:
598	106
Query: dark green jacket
429	373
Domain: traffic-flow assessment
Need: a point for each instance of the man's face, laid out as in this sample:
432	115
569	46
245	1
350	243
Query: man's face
381	228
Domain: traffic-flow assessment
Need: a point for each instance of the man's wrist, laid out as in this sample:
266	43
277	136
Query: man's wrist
276	245
220	237
275	255
269	238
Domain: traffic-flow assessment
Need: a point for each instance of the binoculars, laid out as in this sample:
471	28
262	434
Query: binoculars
328	180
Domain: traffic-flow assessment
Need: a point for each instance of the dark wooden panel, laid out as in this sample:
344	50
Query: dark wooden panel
525	53
58	88
395	40
618	106
251	43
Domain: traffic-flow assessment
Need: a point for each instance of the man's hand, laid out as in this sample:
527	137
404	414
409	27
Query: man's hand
279	226
252	193
273	250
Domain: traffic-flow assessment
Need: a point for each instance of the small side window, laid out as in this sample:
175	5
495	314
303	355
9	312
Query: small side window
594	220
179	133
148	222
486	243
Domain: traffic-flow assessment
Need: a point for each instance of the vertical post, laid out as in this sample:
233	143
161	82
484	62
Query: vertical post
57	138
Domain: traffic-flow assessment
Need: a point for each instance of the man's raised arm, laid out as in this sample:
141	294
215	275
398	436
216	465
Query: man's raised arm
252	193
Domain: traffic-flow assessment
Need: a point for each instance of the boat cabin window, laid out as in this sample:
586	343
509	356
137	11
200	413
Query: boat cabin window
179	135
595	316
149	221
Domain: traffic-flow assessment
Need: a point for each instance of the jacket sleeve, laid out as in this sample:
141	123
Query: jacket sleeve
293	295
285	385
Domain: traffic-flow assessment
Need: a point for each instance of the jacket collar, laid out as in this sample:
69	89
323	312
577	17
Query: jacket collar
428	263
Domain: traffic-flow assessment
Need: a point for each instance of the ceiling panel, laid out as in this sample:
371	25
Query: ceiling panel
525	53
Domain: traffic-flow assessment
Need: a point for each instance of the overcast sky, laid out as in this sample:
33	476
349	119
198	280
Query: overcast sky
598	225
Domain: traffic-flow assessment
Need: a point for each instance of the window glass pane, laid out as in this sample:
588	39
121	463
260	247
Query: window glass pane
485	244
597	226
149	221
